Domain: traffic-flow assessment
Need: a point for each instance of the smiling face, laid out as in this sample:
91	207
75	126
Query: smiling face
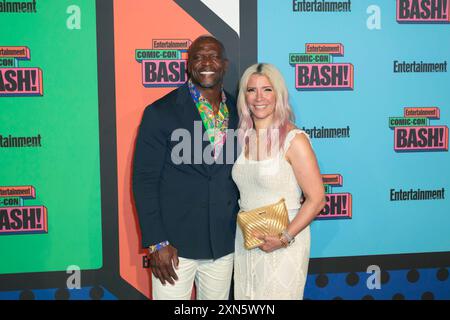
206	63
260	97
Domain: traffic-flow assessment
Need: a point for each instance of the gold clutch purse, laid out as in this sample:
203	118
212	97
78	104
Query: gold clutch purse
267	220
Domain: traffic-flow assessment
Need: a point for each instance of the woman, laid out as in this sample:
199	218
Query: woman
277	161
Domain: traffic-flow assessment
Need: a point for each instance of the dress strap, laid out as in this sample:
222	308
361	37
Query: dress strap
291	135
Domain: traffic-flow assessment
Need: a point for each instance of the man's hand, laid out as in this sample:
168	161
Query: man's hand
162	263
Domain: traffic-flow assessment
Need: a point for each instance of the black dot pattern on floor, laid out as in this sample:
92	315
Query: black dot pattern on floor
405	284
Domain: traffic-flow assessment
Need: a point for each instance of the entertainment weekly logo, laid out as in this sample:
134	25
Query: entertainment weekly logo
412	132
338	205
15	218
315	69
165	64
15	80
423	11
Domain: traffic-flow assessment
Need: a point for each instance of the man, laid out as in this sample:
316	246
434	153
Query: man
187	211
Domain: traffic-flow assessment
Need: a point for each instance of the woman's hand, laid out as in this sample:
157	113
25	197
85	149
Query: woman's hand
271	243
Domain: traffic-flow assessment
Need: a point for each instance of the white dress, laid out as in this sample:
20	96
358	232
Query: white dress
282	273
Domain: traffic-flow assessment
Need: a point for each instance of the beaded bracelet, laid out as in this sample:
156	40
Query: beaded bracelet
157	247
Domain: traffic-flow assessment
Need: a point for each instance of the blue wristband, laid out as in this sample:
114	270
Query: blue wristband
158	246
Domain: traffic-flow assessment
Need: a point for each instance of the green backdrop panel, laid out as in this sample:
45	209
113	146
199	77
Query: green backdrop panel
60	160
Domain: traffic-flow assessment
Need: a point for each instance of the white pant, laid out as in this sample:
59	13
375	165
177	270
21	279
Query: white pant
212	280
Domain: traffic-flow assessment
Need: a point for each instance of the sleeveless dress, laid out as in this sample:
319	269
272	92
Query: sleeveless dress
282	273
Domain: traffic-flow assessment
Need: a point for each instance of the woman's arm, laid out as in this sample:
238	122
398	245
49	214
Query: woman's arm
304	163
303	160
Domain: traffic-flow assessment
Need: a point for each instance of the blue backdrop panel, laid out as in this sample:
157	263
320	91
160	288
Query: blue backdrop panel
366	160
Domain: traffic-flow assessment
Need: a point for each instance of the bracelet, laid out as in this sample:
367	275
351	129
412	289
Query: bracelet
286	239
158	246
289	238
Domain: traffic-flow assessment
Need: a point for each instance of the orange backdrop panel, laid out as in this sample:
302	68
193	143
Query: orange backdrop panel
136	24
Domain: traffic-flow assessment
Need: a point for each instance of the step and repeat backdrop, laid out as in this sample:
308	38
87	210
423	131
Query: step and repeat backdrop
368	81
50	213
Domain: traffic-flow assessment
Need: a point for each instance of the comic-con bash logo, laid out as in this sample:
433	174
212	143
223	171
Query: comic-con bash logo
15	218
423	11
16	80
315	69
413	131
338	205
165	64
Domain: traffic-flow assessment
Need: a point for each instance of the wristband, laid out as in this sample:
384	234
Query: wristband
157	247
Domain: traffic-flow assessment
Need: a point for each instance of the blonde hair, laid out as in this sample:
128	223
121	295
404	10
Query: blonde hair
283	115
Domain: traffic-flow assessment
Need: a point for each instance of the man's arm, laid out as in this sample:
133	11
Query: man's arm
149	157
